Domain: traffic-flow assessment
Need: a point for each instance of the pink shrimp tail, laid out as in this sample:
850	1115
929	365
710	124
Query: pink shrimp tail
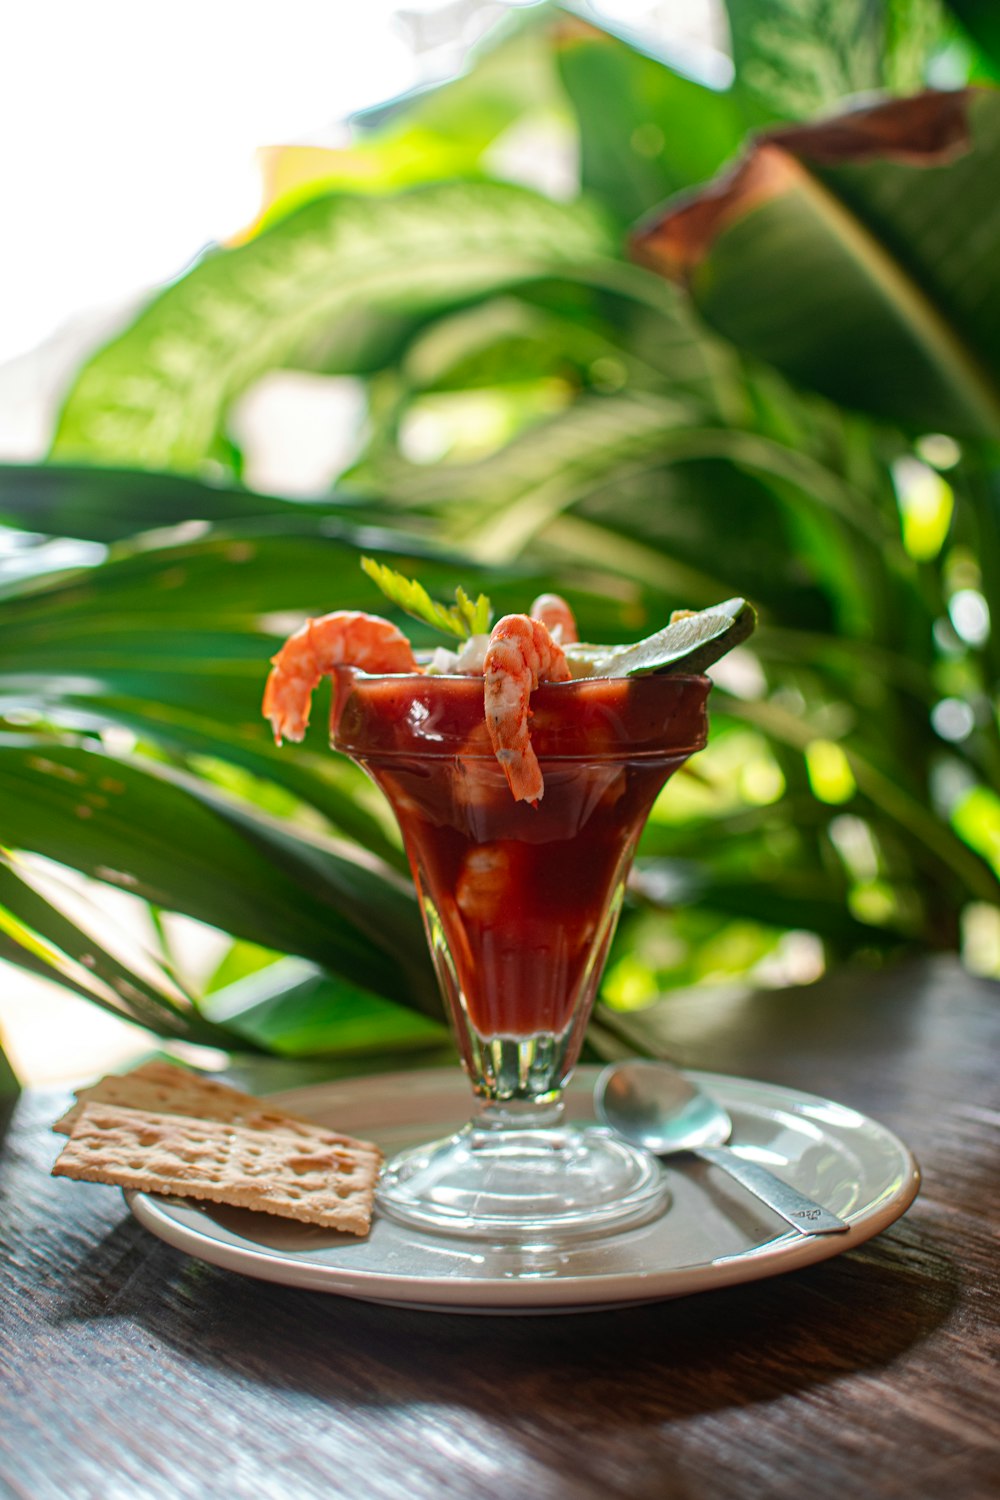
346	638
556	615
520	655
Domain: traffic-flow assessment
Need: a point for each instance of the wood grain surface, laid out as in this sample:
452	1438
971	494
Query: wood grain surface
128	1370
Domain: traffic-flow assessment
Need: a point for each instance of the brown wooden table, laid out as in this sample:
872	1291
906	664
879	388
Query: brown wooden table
128	1370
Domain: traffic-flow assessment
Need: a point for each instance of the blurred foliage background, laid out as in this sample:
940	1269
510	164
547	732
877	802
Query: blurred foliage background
805	410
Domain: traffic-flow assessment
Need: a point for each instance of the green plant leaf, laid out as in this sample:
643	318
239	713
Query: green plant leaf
9	1084
462	619
540	474
638	482
797	60
889	793
217	860
857	255
654	131
982	22
109	505
56	946
779	898
240	312
296	1010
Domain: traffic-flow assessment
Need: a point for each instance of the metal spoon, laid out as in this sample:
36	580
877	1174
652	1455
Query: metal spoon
654	1106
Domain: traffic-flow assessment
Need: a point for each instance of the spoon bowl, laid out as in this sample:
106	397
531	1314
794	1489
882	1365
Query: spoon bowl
655	1106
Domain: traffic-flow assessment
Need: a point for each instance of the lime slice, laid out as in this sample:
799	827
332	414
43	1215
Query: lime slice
688	645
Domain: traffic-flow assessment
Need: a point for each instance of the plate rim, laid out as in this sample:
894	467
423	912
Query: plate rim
594	1292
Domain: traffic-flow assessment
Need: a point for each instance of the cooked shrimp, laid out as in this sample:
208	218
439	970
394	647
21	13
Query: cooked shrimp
484	881
520	655
347	638
557	617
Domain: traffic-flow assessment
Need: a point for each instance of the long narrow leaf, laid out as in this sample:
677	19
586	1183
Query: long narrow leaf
294	1009
106	505
184	847
55	945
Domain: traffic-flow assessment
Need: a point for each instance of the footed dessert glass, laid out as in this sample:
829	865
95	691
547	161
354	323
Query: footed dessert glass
520	905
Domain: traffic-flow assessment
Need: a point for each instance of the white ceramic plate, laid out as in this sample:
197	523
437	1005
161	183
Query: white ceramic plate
713	1233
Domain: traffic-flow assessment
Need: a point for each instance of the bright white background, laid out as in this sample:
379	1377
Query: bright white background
130	127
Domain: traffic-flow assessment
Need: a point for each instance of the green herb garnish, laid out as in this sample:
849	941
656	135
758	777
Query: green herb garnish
462	619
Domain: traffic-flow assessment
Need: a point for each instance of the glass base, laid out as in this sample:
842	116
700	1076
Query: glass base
524	1183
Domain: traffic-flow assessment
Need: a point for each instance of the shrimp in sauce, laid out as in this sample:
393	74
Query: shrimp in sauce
520	655
346	638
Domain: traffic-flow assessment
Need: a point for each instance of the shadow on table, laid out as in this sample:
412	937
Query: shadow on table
637	1366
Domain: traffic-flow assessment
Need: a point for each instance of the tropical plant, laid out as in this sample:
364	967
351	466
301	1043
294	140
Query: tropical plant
804	409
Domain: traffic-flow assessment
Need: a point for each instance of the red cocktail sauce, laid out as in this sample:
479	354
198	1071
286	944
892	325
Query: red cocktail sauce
519	901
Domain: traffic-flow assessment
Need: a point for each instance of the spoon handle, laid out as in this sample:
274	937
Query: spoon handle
794	1207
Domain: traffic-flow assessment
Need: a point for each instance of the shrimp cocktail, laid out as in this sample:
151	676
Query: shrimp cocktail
521	768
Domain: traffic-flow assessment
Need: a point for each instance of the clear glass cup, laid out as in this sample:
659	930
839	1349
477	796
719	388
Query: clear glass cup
520	904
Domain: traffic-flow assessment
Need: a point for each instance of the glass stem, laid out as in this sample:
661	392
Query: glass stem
520	1114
